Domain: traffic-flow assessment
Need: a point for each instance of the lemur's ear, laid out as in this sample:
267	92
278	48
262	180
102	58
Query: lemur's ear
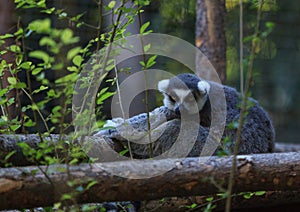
203	87
163	85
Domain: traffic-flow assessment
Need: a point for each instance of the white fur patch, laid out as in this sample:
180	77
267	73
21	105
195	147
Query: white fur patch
203	87
163	85
181	94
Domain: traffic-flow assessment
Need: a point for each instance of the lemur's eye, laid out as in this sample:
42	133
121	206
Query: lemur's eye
173	98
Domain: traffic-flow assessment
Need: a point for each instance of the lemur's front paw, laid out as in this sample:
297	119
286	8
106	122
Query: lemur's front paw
110	128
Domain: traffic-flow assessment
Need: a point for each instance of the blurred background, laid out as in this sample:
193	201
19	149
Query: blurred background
276	81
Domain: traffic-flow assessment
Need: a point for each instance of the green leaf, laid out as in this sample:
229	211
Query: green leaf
6	36
111	4
21	85
248	195
74	161
77	60
7	156
77	17
15	48
3	51
48	11
26	65
104	97
42	88
3	91
66	35
147	47
270	25
73	52
259	193
123	152
12	80
209	199
91	184
47	41
66	197
193	205
36	71
14	127
151	61
19	32
142	63
28	123
68	78
72	68
40	26
110	67
34	107
144	27
40	55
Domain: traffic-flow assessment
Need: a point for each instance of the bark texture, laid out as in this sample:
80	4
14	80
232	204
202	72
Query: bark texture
7	22
27	187
210	37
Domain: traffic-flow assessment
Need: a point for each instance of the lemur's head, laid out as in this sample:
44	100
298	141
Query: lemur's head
184	93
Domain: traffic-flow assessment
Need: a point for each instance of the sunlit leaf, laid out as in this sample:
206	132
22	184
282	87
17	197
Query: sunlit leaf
26	65
77	60
36	71
12	80
38	54
111	4
144	27
40	26
73	52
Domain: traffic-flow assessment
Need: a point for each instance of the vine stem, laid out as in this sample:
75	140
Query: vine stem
122	109
146	90
105	61
30	94
241	48
243	107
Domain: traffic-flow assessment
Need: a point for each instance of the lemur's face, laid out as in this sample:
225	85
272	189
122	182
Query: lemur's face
185	93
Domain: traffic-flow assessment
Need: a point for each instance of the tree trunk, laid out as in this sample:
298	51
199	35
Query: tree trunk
6	26
26	187
210	37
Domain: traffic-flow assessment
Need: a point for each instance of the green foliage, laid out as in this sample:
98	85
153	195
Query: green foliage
265	47
58	53
248	195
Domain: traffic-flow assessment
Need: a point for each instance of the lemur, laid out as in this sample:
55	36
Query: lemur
188	95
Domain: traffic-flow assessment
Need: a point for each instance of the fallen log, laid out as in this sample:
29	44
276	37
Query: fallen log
287	147
27	187
9	143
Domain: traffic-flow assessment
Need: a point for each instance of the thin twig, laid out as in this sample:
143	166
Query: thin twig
146	89
243	108
241	49
121	107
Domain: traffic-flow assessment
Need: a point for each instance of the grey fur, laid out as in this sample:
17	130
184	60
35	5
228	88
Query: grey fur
257	135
